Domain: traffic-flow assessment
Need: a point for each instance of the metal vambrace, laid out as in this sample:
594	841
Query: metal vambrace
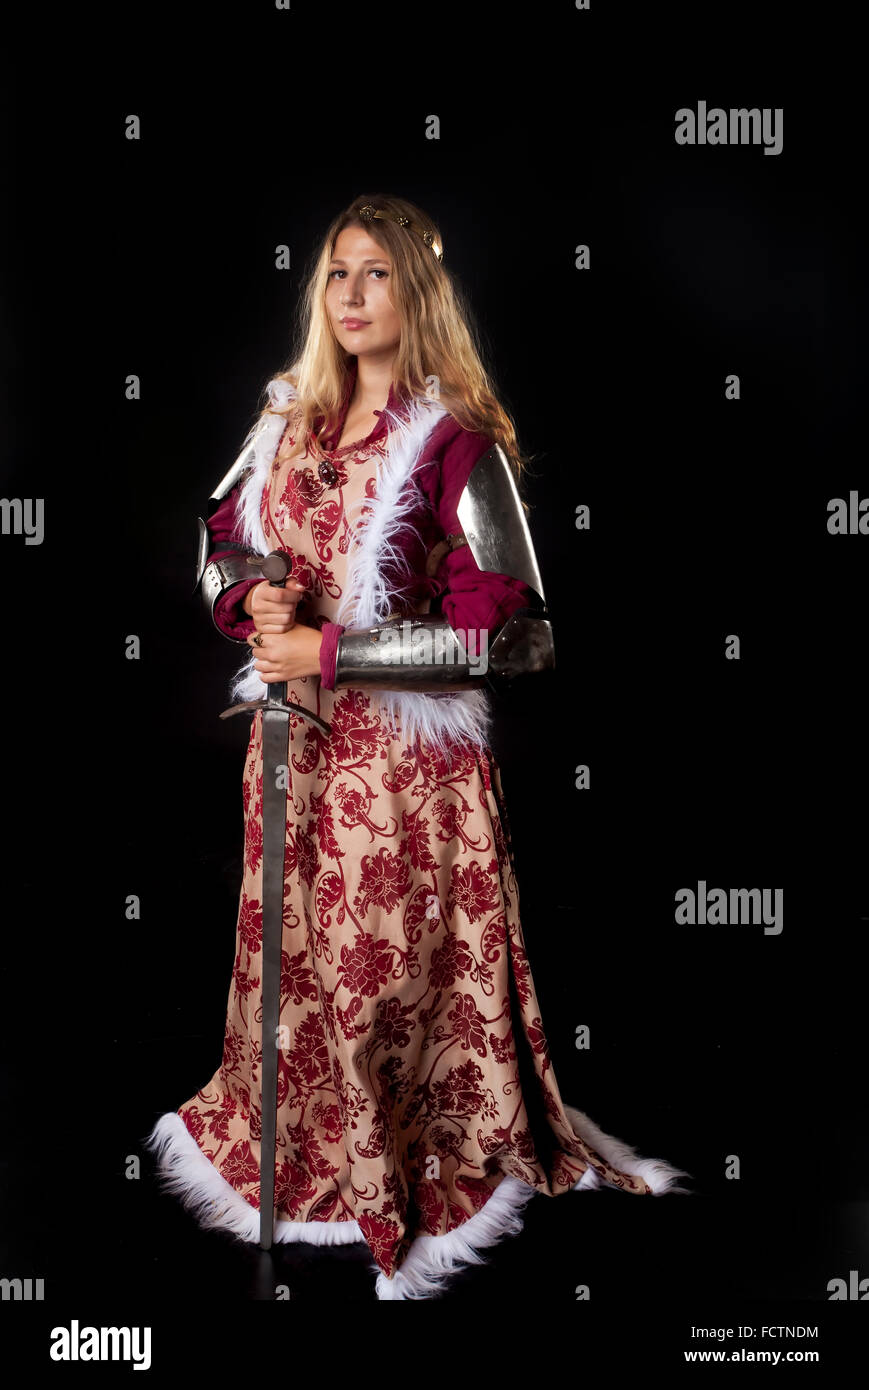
214	579
424	653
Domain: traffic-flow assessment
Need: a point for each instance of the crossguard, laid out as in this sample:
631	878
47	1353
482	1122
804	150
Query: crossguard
282	706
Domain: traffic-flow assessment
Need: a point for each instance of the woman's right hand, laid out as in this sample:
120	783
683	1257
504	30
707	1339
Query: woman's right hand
273	609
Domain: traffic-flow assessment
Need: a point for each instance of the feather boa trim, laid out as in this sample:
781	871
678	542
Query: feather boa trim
439	720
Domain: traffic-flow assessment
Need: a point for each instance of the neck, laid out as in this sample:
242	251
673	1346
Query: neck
373	380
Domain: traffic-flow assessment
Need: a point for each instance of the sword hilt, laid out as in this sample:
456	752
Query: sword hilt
275	566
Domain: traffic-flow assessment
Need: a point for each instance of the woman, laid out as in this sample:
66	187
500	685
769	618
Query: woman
417	1106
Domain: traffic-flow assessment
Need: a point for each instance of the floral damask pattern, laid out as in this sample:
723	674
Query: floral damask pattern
406	995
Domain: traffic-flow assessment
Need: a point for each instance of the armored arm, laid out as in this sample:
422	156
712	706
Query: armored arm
223	576
428	653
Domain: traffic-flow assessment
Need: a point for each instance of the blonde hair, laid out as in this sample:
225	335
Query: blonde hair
439	335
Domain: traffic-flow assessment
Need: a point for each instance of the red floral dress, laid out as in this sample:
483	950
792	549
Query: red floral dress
416	1074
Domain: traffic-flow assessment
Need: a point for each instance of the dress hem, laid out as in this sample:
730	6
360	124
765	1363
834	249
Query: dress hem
431	1260
661	1176
216	1205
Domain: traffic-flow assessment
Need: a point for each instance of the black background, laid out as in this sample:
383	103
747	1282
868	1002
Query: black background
708	518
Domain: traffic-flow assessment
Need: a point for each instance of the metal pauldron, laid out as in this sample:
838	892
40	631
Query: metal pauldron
425	654
494	524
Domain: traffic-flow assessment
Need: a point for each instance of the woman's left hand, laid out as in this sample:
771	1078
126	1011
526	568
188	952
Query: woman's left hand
284	656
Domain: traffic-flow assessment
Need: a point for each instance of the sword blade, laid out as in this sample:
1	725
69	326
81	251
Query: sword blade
275	729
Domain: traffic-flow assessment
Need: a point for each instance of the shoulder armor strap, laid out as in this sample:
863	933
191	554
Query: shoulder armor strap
493	520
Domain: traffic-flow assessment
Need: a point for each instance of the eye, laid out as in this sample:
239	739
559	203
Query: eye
375	270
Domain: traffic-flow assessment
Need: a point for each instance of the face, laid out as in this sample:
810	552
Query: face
358	290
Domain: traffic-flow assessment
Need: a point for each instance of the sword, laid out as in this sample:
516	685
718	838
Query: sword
275	728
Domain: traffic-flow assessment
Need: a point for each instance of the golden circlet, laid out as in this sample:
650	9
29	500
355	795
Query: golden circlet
368	212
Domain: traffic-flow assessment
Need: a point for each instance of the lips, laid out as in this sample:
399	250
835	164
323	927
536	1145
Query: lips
355	323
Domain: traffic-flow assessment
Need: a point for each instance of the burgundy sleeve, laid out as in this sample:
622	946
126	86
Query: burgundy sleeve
473	600
229	616
329	653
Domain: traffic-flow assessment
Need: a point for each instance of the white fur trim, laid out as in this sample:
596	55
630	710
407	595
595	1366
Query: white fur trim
215	1203
660	1176
463	715
367	600
432	1260
265	438
437	719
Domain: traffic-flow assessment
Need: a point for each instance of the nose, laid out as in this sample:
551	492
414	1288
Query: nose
350	291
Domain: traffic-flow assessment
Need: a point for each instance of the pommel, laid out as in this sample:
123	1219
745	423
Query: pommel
275	566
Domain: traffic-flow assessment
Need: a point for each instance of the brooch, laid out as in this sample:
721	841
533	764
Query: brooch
328	473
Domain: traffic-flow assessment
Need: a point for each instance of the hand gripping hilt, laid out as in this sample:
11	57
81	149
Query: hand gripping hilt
275	567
